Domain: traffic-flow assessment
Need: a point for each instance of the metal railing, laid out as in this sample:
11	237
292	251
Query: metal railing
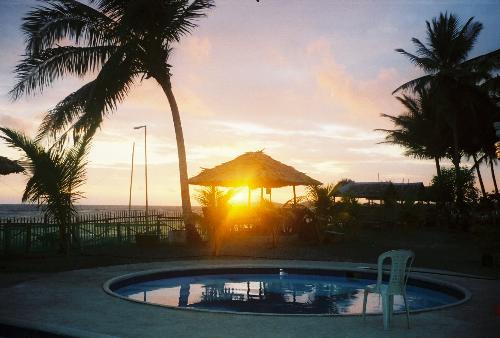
39	234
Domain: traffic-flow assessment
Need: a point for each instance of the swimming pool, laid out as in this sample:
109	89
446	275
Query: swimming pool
289	291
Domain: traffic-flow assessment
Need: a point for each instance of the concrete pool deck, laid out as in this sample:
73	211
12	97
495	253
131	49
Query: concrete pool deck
74	304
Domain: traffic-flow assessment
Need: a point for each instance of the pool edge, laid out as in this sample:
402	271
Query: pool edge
362	268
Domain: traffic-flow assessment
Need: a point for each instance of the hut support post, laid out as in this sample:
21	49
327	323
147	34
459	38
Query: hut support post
294	197
261	194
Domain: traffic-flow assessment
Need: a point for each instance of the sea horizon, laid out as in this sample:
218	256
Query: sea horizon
10	210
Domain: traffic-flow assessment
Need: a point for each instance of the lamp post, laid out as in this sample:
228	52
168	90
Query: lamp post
145	166
131	178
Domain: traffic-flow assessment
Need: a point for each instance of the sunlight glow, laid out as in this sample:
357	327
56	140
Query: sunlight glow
240	198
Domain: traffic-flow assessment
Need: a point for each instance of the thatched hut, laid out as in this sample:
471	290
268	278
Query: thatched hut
9	167
253	170
379	190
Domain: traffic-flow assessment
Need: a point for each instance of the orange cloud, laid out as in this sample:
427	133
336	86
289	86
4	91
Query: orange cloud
367	97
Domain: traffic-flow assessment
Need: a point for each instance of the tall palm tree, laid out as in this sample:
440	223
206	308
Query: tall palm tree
56	176
454	77
418	130
122	41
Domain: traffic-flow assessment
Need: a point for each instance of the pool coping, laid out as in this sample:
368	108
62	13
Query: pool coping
360	269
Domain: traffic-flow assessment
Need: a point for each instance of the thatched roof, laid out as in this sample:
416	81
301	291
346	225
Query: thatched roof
379	190
254	169
9	167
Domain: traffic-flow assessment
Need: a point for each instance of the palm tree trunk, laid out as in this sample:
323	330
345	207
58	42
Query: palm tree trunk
438	167
166	85
479	177
456	162
493	177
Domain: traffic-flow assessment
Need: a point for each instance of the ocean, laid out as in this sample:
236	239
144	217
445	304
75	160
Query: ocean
29	210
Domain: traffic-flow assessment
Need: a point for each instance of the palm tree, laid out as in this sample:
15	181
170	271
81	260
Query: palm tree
321	198
56	176
418	129
122	41
453	77
215	206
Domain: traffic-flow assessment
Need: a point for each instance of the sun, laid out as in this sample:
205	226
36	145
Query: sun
241	197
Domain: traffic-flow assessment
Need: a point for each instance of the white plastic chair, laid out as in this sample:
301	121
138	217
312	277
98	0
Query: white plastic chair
401	261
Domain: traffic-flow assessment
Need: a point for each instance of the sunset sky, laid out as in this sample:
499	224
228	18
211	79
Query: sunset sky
304	80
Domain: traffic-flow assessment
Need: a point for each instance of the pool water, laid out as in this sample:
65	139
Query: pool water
280	292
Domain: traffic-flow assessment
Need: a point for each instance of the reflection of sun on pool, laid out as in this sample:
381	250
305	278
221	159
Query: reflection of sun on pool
241	197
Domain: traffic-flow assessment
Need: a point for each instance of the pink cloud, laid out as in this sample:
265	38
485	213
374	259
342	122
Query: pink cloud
366	97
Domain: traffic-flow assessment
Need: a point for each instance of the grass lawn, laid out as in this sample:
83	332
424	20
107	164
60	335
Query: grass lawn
455	251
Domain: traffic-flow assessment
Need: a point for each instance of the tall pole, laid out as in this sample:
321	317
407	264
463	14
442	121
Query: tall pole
131	177
146	170
146	166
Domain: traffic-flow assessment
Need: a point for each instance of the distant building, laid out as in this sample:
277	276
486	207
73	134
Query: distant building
381	190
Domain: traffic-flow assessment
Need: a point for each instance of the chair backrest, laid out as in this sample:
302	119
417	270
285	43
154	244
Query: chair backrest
401	261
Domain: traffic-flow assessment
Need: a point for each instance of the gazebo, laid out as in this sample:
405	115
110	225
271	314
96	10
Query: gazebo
9	167
253	170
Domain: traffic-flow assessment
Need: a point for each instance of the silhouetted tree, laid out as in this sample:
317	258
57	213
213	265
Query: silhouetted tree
123	41
461	101
56	176
418	129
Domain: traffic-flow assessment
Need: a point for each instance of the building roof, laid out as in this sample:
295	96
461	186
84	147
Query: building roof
379	190
254	169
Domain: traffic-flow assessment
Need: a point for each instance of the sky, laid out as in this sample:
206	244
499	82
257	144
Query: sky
304	80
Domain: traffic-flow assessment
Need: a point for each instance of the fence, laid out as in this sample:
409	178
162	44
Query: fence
38	234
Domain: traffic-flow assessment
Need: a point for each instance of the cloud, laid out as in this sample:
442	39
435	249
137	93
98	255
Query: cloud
328	131
22	124
359	97
378	151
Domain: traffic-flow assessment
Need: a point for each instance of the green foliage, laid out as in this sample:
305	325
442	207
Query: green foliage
321	199
444	188
57	174
214	197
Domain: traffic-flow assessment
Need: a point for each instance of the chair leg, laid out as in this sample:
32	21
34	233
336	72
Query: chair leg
364	303
407	311
385	310
391	307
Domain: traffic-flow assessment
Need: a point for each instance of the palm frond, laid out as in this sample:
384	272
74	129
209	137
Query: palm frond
35	72
114	9
84	109
426	63
423	50
183	17
415	84
58	20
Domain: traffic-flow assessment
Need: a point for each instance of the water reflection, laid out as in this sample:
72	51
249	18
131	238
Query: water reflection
273	293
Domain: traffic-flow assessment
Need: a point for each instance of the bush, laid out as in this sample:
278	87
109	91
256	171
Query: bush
443	188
